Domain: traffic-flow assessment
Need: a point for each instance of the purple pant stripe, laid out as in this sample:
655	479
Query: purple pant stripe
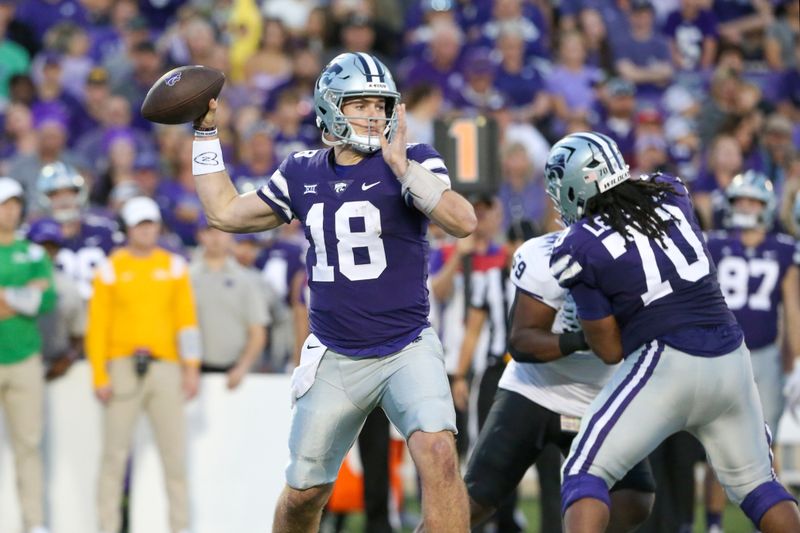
600	412
601	437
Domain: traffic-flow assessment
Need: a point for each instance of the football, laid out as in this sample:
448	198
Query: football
182	94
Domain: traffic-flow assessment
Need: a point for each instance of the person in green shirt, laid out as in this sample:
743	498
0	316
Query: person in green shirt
26	290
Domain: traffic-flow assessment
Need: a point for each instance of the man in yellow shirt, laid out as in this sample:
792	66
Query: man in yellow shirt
144	348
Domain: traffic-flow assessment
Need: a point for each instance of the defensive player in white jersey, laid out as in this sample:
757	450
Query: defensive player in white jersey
646	290
543	393
364	204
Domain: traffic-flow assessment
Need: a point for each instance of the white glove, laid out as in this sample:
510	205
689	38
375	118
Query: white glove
569	315
791	391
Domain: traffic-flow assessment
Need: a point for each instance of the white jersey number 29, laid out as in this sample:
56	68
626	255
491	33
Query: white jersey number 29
347	241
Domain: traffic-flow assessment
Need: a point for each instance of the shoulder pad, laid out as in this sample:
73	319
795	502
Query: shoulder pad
531	271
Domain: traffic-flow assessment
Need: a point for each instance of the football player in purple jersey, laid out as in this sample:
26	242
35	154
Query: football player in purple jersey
758	274
87	237
646	290
364	204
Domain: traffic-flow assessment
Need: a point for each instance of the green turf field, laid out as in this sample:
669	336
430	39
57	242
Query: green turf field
734	521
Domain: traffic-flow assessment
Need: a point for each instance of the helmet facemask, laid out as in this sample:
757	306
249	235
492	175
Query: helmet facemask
754	186
345	133
54	180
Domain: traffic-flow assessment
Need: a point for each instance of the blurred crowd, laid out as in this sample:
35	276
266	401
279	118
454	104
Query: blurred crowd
705	89
702	88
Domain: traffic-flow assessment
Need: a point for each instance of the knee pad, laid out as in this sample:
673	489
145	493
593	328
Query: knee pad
763	498
582	486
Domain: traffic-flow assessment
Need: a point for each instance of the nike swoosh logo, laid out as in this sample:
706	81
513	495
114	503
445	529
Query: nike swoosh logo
365	187
311	347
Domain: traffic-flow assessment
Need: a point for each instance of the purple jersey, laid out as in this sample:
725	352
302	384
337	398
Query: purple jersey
751	280
666	291
367	261
279	262
689	36
81	253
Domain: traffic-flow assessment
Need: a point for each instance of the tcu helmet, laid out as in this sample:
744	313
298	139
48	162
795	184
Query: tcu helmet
348	75
755	185
581	166
58	176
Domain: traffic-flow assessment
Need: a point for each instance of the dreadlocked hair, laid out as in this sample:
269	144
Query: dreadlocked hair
633	204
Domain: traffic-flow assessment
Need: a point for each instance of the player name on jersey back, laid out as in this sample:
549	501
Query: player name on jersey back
663	289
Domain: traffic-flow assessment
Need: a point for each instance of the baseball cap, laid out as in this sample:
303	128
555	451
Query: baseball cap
140	209
778	124
641	4
46	230
358	20
97	76
10	188
479	61
620	87
649	115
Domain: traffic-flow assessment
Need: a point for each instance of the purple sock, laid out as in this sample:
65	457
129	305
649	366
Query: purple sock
713	519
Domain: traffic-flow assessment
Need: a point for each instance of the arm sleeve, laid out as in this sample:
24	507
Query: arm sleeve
99	318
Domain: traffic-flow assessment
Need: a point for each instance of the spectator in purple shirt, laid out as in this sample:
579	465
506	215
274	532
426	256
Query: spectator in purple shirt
423	106
723	162
147	68
177	199
422	17
439	63
523	17
291	134
742	21
108	39
41	15
617	115
50	93
257	154
520	80
72	43
572	82
478	95
115	118
692	33
522	191
95	99
306	67
597	39
271	65
642	56
18	136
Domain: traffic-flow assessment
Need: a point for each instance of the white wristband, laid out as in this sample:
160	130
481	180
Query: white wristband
206	157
